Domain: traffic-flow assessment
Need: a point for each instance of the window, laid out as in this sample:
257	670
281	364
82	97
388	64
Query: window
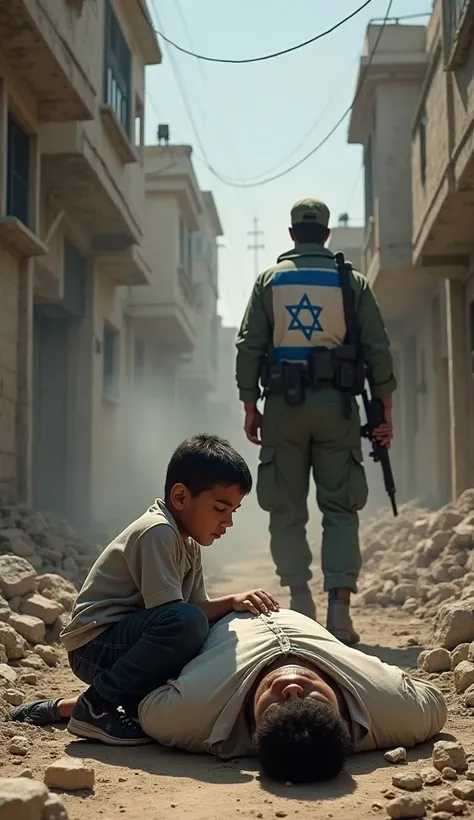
18	172
74	280
422	139
138	362
111	357
117	91
457	25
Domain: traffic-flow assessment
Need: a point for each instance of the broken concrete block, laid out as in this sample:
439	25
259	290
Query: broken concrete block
449	753
13	696
410	782
463	676
396	755
407	806
461	653
30	628
21	798
54	809
69	774
436	660
40	607
12	641
455	624
7	674
17	576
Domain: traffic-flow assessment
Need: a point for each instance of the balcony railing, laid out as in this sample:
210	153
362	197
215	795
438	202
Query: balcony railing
458	19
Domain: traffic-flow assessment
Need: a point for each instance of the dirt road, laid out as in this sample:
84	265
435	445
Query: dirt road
150	783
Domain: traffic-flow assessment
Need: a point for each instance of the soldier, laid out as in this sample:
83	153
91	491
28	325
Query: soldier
293	340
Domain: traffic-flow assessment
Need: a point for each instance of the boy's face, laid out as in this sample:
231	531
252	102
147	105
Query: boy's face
207	516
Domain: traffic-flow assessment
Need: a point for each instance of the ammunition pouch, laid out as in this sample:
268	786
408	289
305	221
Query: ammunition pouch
339	367
290	380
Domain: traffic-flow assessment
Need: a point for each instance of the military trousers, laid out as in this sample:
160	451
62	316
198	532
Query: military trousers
313	437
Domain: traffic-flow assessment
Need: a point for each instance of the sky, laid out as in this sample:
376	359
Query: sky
249	121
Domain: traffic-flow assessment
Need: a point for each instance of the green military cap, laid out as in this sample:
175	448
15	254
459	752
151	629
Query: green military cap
310	210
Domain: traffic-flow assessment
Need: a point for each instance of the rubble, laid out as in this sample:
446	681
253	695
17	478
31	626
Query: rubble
410	782
25	799
449	754
396	755
69	774
407	806
463	676
464	790
445	801
18	745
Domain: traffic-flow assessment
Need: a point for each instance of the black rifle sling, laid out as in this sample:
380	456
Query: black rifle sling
348	301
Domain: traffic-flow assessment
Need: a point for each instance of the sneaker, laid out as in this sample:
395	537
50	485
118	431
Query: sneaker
302	601
105	724
339	622
38	712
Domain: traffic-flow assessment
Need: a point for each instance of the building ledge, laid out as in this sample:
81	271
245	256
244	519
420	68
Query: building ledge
117	135
124	266
20	239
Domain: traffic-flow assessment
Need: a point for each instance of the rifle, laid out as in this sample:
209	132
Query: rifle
373	407
375	417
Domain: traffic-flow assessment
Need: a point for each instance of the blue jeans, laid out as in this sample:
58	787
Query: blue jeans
141	652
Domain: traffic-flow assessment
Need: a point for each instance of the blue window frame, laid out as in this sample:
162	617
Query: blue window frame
18	171
118	70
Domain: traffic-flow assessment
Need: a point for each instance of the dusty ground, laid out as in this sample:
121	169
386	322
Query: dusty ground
150	782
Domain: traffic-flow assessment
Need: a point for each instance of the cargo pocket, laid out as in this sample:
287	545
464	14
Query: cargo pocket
357	488
267	484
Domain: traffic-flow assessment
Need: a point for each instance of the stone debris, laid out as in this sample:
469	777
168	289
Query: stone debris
446	801
449	774
22	798
13	696
464	790
48	654
396	755
8	675
407	806
17	576
468	699
411	782
463	676
461	653
30	628
435	660
18	745
449	754
431	777
69	774
40	607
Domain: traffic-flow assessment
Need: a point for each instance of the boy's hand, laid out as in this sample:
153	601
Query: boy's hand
256	601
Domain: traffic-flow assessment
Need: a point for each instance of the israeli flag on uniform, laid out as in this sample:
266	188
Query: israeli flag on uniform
308	312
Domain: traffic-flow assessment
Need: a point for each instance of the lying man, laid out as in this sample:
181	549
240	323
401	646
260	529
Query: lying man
282	687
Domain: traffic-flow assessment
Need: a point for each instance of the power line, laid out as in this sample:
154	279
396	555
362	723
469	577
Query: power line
266	56
250	184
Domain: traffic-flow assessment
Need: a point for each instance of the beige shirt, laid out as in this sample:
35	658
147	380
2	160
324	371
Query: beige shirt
147	565
202	711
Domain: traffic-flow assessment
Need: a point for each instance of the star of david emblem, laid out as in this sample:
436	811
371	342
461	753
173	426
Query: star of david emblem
296	323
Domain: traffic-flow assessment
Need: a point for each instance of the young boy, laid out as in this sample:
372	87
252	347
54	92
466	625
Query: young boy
143	612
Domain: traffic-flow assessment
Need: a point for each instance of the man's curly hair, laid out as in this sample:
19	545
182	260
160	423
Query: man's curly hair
302	741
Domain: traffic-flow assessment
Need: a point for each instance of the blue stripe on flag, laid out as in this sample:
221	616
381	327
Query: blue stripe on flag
307	276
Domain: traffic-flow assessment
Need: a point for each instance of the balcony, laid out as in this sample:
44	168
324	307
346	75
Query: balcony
170	322
36	48
78	172
443	143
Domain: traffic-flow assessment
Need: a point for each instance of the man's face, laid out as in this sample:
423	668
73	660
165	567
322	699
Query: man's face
289	683
207	516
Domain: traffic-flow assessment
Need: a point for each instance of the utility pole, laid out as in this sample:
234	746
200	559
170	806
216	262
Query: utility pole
255	246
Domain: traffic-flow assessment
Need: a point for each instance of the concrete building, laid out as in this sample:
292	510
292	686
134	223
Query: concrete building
348	239
71	232
412	118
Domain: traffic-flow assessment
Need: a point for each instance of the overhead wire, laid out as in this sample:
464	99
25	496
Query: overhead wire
266	56
321	143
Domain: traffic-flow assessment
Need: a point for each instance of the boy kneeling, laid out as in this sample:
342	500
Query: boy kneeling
143	612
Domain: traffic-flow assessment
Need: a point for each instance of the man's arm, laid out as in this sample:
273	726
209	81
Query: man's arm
408	712
375	345
252	343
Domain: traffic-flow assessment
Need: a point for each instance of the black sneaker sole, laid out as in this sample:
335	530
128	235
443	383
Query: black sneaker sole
86	731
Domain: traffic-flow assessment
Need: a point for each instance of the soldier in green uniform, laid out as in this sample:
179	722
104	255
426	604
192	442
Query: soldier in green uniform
292	339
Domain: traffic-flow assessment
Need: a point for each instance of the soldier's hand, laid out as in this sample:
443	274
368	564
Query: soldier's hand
384	432
256	601
253	425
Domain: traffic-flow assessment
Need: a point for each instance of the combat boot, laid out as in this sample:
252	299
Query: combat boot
339	621
302	601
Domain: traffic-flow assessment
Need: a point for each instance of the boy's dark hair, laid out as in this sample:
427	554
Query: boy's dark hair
202	461
309	232
302	741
